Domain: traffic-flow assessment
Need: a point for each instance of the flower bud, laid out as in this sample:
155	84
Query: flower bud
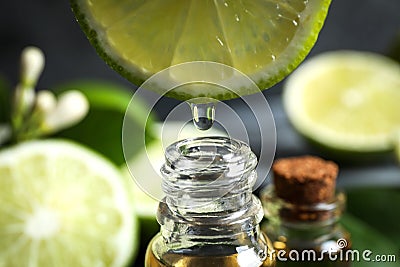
32	64
45	102
72	107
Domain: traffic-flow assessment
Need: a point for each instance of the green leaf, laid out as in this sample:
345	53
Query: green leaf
379	208
102	127
365	237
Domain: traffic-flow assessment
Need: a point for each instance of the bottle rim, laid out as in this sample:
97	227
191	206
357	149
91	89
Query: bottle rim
201	171
209	152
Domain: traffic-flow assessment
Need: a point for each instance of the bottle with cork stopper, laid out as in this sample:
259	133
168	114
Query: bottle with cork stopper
302	211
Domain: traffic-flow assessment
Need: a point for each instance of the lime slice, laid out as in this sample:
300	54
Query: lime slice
63	205
265	40
346	100
101	129
145	205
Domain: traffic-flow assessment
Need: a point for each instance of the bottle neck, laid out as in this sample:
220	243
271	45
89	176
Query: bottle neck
302	222
208	185
217	227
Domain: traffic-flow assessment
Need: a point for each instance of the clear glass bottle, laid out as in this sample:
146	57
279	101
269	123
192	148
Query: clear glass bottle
209	216
305	230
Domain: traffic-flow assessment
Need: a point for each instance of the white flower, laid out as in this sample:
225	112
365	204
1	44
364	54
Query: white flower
72	106
46	102
32	64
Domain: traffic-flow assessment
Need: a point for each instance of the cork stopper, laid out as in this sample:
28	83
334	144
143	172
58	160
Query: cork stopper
305	180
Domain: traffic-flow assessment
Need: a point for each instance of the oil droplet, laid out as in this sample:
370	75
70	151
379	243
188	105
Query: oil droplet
203	114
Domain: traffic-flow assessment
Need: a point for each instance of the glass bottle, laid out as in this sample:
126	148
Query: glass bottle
209	216
306	233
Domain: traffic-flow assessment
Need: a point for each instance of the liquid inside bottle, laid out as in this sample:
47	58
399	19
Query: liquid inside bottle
209	216
210	258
